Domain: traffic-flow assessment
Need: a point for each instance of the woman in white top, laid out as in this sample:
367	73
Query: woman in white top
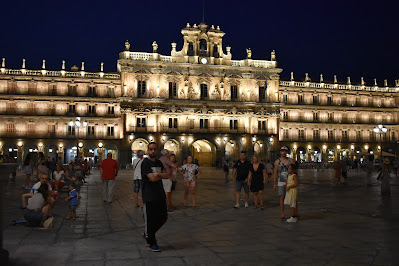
58	178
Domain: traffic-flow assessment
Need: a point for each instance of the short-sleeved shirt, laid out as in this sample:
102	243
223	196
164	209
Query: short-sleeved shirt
36	202
109	167
167	164
37	185
58	176
269	168
137	168
189	171
242	169
152	191
74	195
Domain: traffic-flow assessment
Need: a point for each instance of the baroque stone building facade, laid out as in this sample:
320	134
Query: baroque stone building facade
196	101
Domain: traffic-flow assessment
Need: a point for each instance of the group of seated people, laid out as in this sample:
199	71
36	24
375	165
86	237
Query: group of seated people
41	199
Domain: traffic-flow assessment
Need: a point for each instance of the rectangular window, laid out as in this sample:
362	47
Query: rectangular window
71	90
204	91
110	110
285	133
262	94
330	135
141	121
358	135
315	99
315	117
262	125
329	100
393	136
285	98
330	117
234	92
233	124
92	109
372	135
110	131
31	128
90	130
72	109
10	128
71	131
172	89
172	122
141	88
191	122
358	101
300	99
316	134
92	91
343	101
204	123
301	134
285	115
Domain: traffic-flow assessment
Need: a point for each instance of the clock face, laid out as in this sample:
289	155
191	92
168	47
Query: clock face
204	61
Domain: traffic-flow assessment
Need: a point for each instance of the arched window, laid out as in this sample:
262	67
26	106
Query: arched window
203	48
190	51
215	51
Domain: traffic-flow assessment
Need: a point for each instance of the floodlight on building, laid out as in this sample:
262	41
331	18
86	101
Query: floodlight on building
20	144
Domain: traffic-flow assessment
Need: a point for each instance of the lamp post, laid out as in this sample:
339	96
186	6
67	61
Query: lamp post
380	129
77	125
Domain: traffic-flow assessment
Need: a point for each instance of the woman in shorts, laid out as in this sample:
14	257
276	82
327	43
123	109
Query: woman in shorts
190	173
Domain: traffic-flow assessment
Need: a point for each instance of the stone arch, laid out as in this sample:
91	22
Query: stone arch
232	150
139	144
204	151
173	146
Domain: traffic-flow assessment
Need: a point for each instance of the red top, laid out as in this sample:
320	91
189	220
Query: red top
109	167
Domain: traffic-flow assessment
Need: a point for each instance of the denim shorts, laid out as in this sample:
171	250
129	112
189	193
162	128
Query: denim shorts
34	217
137	185
240	184
281	190
73	207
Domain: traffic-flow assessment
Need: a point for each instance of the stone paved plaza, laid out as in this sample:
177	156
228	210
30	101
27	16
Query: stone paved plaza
338	225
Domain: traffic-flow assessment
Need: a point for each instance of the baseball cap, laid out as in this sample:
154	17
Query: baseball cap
284	148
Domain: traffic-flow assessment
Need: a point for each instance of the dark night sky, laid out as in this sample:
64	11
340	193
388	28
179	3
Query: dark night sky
346	38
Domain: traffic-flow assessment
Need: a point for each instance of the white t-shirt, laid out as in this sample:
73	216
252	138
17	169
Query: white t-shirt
58	176
37	186
137	168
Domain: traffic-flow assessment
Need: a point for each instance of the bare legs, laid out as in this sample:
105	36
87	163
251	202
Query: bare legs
282	206
259	195
238	195
186	191
136	199
27	180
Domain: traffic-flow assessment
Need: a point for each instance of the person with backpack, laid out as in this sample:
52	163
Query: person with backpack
280	176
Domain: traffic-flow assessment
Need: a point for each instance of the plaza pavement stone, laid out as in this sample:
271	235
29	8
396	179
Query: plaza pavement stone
338	225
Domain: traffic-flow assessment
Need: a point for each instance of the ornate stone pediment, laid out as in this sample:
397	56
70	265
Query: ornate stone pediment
233	111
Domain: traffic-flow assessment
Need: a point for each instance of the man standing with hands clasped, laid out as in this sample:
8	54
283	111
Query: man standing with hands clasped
109	170
240	174
154	199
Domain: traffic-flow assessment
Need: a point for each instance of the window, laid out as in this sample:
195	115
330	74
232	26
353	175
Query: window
315	117
172	122
329	100
330	134
344	134
190	51
301	134
90	131
285	133
372	135
262	125
92	91
140	121
358	135
285	115
10	128
316	134
71	131
285	98
234	92
203	47
71	90
300	99
110	110
141	88
315	99
393	136
343	101
330	117
204	123
233	124
358	103
204	91
215	51
191	122
262	94
110	131
92	109
72	109
172	89
31	128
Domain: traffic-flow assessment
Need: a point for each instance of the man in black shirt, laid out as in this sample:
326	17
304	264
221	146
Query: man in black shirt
240	174
154	199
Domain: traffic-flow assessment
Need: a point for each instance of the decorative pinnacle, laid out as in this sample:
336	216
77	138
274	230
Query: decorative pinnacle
63	65
102	67
83	66
44	64
3	63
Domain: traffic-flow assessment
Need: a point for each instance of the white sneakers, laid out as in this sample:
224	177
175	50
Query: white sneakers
238	205
246	205
292	220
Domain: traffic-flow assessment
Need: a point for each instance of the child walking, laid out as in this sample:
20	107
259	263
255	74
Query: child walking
73	201
292	192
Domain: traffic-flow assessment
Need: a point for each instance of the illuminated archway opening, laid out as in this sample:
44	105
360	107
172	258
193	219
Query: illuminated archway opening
204	151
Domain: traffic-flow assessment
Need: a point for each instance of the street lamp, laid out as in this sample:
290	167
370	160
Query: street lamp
77	125
380	129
